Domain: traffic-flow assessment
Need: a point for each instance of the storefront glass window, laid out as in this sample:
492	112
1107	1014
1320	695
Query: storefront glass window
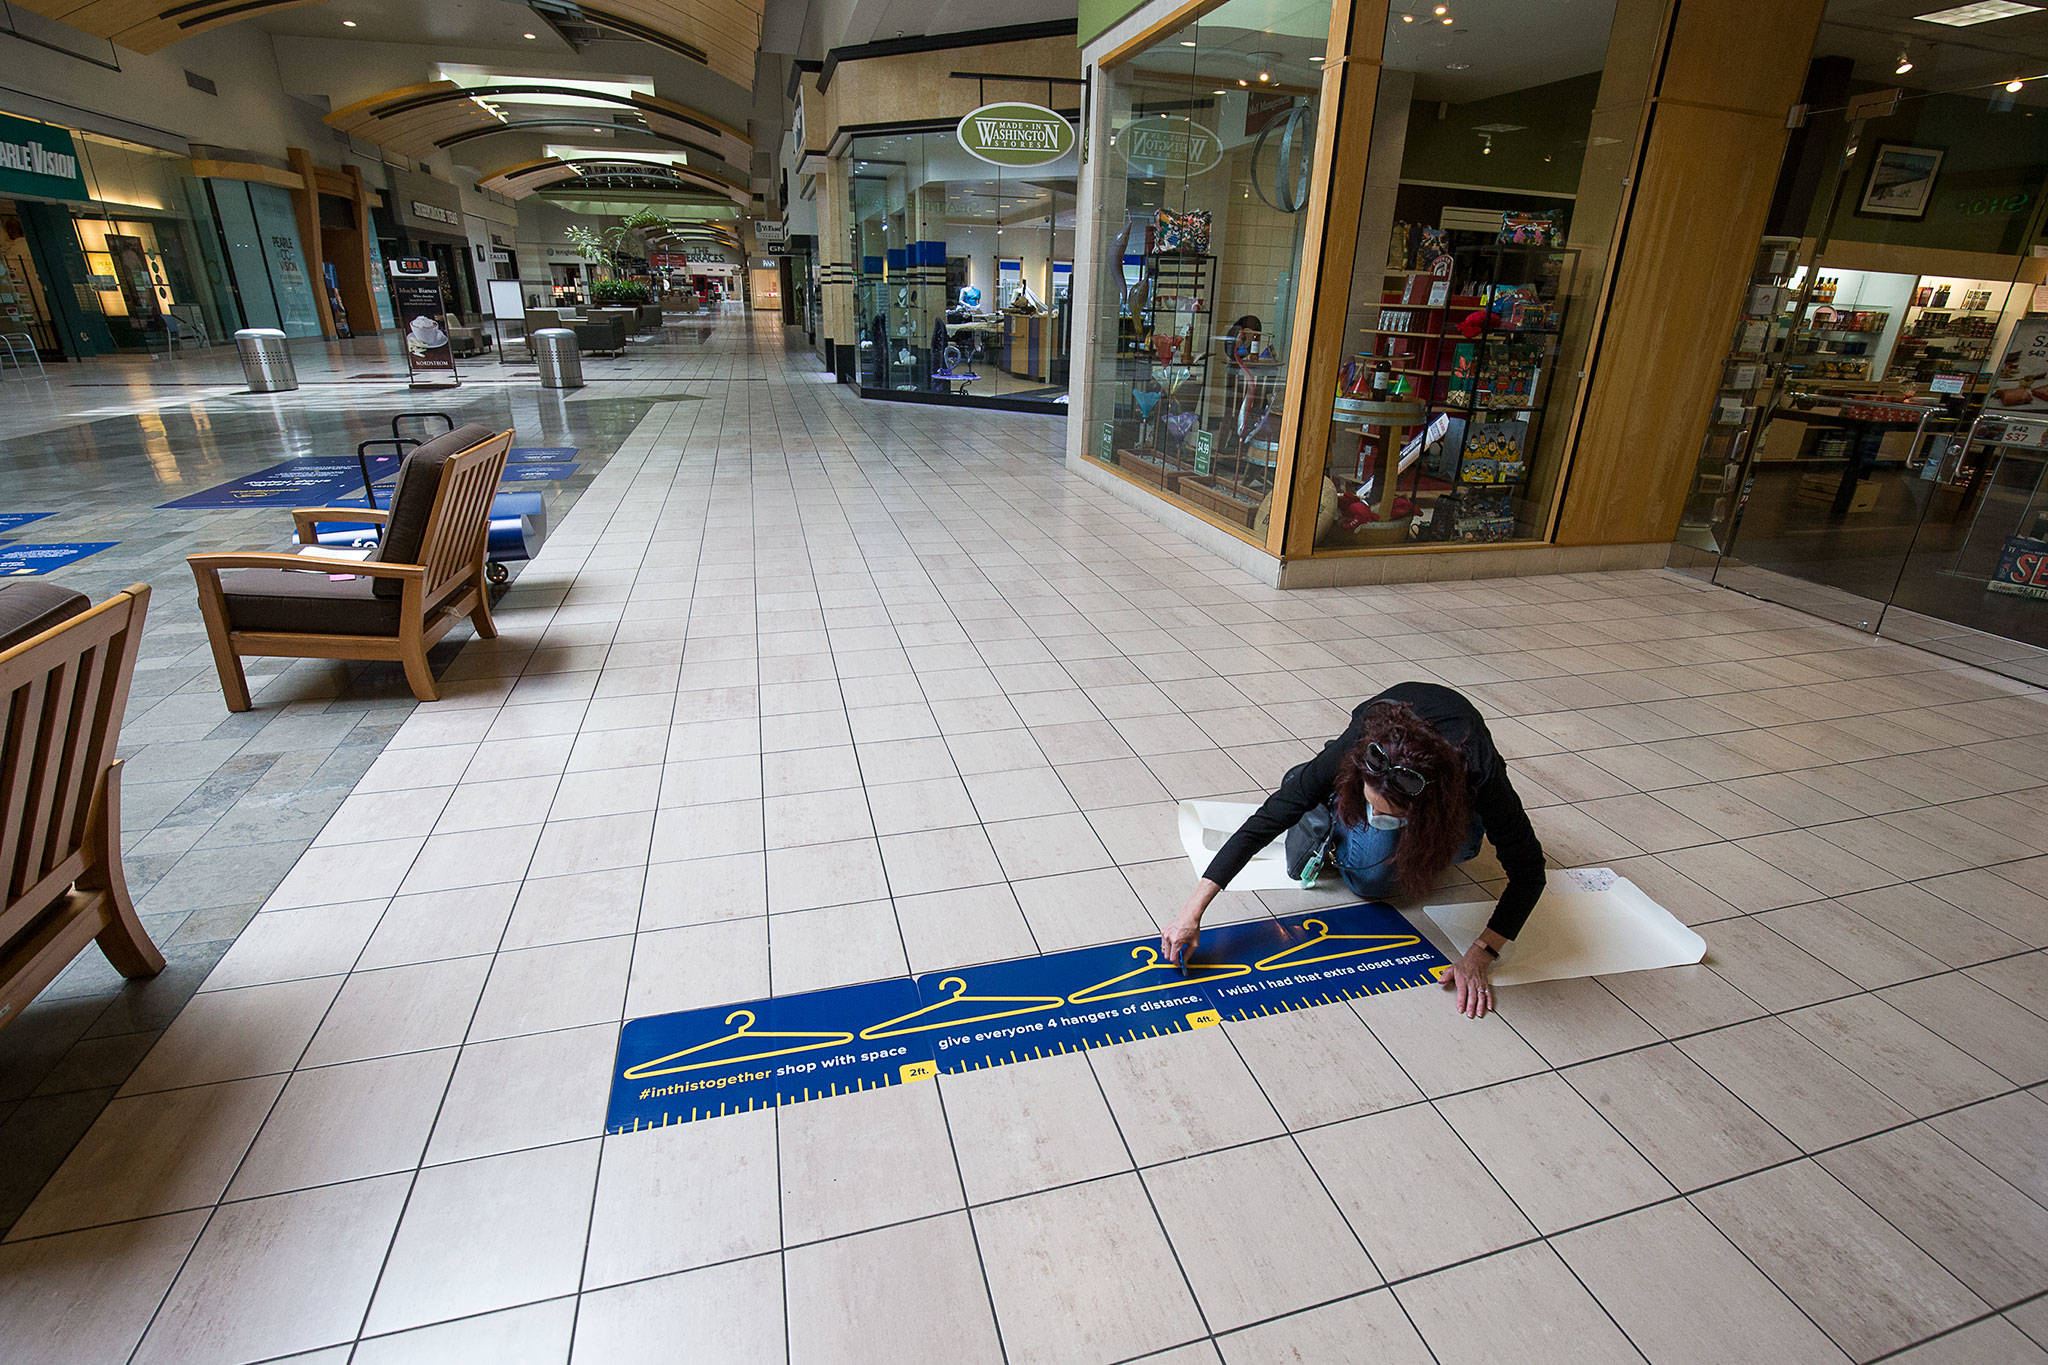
1875	473
955	283
1500	146
1201	210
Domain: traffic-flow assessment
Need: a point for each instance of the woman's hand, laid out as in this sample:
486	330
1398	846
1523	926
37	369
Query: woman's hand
1471	976
1177	941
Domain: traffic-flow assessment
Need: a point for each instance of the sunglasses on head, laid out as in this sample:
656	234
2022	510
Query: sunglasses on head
1384	770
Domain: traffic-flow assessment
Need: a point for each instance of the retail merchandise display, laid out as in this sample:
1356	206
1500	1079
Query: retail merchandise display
1467	330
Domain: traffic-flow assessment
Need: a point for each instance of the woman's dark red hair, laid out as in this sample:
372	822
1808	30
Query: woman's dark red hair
1438	819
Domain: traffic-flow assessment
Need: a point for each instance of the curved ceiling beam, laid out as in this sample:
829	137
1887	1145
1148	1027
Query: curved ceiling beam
413	119
724	35
148	26
531	177
535	125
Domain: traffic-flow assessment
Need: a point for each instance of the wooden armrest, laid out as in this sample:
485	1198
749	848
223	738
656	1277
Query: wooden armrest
211	565
305	518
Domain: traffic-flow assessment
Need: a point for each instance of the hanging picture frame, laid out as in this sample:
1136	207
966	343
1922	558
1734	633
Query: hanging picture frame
1901	181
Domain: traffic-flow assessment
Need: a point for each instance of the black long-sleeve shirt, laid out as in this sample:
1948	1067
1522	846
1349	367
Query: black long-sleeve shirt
1493	798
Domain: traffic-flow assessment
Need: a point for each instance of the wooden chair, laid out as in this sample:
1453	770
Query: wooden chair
427	574
62	695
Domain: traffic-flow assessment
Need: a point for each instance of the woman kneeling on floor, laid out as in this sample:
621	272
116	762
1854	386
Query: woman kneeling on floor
1414	783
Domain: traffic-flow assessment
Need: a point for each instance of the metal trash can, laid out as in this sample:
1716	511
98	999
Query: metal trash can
266	364
561	365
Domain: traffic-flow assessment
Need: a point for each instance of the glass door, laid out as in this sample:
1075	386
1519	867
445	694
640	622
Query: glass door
1916	213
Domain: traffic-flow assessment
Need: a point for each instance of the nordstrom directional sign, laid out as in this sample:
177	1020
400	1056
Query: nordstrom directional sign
1016	134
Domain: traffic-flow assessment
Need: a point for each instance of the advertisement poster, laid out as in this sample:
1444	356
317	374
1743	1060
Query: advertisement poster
2022	568
2021	381
416	298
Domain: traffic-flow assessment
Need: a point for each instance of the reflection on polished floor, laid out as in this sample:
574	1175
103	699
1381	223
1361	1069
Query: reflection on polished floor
805	691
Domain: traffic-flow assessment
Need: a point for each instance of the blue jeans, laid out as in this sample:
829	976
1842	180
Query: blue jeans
1365	857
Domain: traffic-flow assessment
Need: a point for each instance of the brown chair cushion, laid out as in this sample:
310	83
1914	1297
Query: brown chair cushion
29	609
412	501
297	602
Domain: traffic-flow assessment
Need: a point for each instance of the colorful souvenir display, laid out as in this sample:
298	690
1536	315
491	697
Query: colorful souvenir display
1182	233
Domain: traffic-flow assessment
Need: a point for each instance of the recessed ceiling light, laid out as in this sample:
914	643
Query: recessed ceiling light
1443	9
1457	66
1407	18
1982	12
1242	81
1265	75
2015	86
1315	59
1905	64
527	36
1187	42
1446	23
348	23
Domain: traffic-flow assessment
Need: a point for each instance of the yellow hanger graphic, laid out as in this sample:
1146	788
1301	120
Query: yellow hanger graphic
1150	957
1379	943
1025	1004
660	1065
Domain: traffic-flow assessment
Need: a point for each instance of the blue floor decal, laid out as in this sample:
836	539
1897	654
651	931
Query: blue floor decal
540	454
295	483
677	1068
538	473
10	522
27	561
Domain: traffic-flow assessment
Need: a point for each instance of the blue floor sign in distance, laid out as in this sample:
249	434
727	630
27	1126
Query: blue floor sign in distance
676	1068
295	483
10	522
28	561
540	454
536	472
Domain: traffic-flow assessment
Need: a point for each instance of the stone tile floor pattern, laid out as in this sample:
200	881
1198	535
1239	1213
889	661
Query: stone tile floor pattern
807	691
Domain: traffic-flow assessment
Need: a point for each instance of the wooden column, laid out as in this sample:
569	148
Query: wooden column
1316	351
306	208
1732	69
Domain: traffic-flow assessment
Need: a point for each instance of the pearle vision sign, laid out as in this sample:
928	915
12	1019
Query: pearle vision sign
1169	144
36	158
1016	134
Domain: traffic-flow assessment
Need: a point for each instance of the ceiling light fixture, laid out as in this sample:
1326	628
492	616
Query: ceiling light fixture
1457	66
1443	9
2015	85
348	23
1407	18
1315	59
528	36
1242	81
1445	22
1905	64
1265	75
1982	12
1187	42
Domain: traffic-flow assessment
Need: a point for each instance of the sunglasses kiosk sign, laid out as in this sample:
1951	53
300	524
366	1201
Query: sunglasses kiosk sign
422	320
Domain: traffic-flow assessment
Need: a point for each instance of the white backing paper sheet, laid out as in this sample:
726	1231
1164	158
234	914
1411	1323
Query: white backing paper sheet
1590	921
1206	826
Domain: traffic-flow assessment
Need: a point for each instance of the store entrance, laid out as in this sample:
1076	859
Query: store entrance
1876	452
24	305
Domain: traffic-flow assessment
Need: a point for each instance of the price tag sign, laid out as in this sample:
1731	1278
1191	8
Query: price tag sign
1948	383
1205	447
1105	441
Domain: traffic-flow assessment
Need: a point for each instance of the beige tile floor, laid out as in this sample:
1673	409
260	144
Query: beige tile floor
808	691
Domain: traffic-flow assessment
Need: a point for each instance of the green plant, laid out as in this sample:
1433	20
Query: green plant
616	293
603	247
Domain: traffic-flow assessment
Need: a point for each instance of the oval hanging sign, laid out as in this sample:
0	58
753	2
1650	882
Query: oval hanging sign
1016	134
1169	144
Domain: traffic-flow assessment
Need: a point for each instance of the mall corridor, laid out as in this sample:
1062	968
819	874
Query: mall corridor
805	690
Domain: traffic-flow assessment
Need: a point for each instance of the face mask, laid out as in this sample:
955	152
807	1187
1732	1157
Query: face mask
1381	820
